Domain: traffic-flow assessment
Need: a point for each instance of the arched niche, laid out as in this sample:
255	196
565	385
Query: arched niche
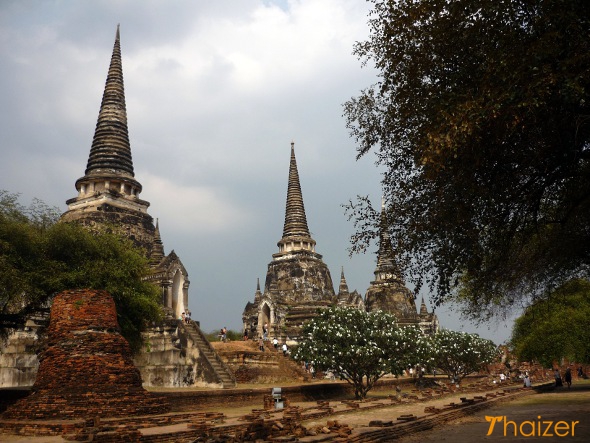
178	294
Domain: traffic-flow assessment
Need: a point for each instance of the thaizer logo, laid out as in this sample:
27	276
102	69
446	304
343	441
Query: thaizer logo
530	428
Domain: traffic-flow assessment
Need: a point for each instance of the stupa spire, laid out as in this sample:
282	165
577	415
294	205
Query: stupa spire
111	150
295	219
157	254
343	288
423	308
387	267
296	234
110	168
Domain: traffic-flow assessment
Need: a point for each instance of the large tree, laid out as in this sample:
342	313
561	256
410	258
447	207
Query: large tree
481	118
361	347
557	328
40	257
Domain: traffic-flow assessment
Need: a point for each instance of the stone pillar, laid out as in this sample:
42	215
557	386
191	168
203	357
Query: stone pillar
185	295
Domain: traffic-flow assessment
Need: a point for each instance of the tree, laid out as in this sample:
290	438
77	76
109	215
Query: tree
40	257
361	347
557	328
481	119
459	354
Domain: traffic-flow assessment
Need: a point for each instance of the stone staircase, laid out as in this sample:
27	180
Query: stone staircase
250	365
223	373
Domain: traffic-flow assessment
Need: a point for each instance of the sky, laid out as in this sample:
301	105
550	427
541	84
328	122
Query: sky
216	91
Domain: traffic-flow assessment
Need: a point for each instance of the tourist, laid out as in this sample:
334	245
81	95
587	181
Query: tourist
275	343
557	376
527	381
568	377
261	344
187	317
502	377
285	349
265	332
246	334
182	316
312	371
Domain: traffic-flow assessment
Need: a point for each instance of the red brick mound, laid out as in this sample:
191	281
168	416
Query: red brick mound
86	369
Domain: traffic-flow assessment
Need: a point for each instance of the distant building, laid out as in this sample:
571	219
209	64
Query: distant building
297	282
388	292
346	298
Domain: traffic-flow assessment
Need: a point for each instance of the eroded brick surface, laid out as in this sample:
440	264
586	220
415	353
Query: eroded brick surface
86	369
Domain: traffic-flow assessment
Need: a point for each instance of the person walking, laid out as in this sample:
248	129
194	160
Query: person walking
568	377
557	376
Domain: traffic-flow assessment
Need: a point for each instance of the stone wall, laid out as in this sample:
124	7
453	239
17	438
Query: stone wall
169	358
18	354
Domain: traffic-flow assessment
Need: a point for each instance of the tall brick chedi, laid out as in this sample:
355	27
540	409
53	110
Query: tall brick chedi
86	369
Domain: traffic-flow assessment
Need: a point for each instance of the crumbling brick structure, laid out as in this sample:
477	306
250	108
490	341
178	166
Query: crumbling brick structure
86	369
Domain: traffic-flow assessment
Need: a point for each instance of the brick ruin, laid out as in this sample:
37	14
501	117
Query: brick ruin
86	369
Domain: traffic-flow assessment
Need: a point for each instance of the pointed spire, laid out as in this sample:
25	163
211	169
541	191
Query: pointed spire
257	294
295	219
111	151
296	234
423	308
387	267
157	254
343	289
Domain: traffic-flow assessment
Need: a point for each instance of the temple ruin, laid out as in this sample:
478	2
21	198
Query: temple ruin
175	354
297	282
388	291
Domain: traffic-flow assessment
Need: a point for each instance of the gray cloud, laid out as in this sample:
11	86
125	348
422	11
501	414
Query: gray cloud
215	93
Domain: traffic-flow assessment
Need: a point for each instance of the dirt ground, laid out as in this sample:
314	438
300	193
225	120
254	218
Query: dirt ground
558	405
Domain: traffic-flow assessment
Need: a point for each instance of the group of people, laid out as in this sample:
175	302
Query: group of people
275	343
186	317
567	377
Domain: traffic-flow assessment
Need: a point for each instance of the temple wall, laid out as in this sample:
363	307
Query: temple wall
18	360
171	359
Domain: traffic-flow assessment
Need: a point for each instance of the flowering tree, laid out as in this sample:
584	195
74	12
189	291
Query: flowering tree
360	346
459	353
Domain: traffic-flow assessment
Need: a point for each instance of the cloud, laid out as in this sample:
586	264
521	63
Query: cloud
187	209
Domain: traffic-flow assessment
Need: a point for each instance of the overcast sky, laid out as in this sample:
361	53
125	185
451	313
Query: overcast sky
215	91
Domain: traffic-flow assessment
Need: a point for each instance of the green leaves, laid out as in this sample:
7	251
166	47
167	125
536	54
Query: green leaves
555	328
39	258
480	118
